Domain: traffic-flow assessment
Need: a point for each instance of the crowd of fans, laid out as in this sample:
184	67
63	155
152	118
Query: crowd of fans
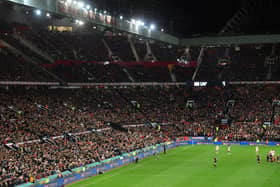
73	116
66	121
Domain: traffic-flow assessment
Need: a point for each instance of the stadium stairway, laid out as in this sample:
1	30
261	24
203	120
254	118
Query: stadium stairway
129	75
149	54
132	46
33	48
172	75
30	60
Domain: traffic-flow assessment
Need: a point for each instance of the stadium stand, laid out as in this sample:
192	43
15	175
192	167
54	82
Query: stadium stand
44	114
46	131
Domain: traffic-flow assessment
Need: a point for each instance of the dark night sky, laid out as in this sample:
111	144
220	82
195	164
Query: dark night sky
191	17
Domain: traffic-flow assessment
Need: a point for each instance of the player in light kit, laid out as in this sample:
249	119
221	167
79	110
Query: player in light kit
217	149
228	148
257	150
156	154
272	155
258	159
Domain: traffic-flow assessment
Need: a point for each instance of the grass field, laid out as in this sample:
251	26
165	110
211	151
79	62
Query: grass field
192	166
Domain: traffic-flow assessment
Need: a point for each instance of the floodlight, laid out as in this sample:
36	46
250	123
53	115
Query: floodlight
75	2
139	22
88	7
162	30
38	12
79	22
121	17
48	14
81	4
69	1
133	21
152	26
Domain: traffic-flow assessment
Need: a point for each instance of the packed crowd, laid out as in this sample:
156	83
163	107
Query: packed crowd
31	114
72	116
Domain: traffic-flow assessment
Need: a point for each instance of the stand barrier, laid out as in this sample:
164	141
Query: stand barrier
105	165
96	168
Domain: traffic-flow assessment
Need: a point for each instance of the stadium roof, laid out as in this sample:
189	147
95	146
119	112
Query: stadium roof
198	17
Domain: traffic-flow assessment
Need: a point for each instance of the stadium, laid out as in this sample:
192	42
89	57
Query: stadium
125	93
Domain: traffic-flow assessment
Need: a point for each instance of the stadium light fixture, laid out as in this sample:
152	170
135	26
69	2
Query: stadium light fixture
152	27
38	12
79	22
81	4
48	15
69	1
133	21
121	17
95	10
139	22
105	12
75	2
88	7
162	30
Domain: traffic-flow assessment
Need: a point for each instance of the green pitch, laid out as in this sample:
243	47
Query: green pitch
192	166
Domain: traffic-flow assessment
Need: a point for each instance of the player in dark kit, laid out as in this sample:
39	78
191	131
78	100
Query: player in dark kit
267	157
270	157
215	162
258	159
164	149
